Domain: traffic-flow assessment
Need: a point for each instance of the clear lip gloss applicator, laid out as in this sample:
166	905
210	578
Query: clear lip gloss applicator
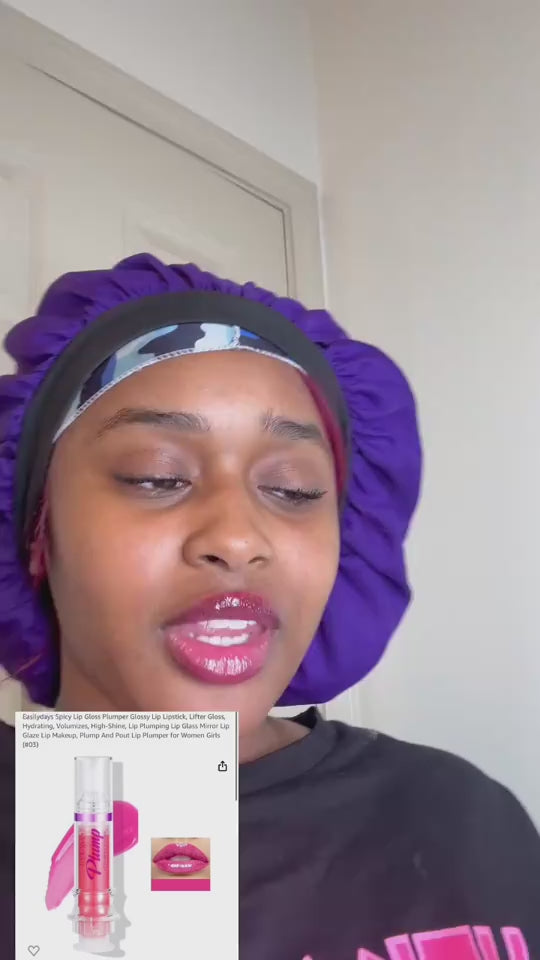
93	914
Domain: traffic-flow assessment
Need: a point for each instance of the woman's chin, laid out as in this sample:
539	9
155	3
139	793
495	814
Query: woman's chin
182	694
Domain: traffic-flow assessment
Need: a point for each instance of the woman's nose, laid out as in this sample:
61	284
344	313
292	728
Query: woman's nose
227	534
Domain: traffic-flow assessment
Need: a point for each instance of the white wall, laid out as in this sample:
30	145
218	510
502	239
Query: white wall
243	64
430	151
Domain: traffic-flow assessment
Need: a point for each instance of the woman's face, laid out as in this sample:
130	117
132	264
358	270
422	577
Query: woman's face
201	477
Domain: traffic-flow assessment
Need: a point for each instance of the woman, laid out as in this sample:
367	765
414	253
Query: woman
204	492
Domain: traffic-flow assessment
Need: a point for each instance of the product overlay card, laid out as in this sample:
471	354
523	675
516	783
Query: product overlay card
126	835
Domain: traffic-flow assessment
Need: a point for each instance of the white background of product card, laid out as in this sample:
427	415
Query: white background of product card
179	792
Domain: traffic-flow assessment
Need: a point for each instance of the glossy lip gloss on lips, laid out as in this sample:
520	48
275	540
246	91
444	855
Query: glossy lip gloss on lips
93	916
224	639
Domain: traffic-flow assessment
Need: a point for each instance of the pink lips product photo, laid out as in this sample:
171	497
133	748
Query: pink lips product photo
93	915
180	859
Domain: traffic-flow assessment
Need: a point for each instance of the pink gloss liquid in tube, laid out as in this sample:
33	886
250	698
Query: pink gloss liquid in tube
93	915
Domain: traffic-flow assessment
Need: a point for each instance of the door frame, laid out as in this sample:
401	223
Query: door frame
295	197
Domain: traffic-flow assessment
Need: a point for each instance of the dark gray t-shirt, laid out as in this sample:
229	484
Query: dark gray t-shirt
355	846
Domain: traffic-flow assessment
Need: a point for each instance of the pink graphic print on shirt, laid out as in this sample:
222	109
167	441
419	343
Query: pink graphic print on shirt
458	943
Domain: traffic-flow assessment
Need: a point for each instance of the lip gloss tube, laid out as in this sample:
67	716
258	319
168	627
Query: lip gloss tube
93	915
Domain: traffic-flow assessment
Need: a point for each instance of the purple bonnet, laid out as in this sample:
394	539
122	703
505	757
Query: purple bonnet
371	592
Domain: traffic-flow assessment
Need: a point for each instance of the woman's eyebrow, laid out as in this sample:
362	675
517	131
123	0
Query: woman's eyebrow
192	422
292	429
141	416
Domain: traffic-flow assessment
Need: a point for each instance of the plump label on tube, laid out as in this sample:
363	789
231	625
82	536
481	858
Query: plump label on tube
93	860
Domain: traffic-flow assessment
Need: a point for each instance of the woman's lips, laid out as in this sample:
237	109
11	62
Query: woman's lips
180	859
223	640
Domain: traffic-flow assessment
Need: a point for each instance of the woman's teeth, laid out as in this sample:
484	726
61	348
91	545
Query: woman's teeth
224	641
224	633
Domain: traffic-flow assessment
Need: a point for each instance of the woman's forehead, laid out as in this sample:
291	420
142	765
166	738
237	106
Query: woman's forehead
240	380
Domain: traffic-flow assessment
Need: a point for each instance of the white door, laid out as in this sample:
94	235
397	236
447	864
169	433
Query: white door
81	187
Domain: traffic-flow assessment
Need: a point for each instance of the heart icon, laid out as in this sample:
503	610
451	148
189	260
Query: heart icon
33	951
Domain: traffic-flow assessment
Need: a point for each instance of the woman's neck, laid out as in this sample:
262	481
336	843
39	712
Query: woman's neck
273	734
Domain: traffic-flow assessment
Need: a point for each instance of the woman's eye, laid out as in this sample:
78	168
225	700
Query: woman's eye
156	485
295	496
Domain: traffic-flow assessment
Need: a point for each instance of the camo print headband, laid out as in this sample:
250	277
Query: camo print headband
167	343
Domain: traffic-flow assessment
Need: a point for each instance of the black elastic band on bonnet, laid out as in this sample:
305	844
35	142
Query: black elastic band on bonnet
112	330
